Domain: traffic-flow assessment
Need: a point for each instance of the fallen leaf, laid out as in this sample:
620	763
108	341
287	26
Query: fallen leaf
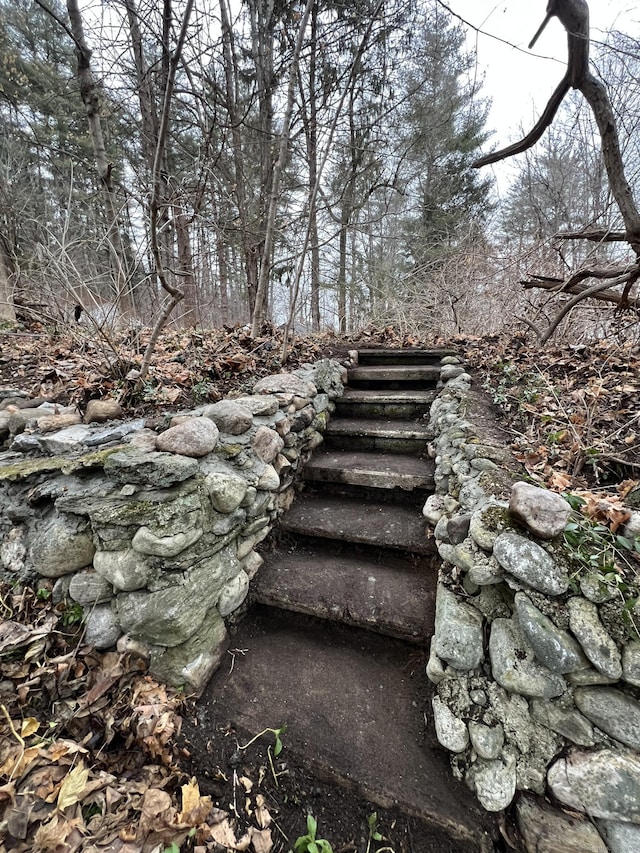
29	726
73	787
16	764
223	833
263	816
261	840
195	808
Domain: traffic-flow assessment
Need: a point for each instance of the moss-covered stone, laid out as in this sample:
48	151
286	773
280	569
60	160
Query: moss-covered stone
21	469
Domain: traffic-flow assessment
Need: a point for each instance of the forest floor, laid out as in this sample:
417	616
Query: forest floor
91	757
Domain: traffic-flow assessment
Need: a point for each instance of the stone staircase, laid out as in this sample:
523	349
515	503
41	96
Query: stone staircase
335	644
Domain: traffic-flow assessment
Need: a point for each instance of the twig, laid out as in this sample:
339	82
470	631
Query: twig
608	457
590	291
12	727
20	740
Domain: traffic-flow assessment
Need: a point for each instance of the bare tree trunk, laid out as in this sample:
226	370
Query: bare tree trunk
7	308
185	261
146	93
175	293
250	252
269	233
346	212
313	174
91	100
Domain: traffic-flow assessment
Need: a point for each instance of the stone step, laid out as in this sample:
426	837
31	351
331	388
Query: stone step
371	403
393	436
349	520
408	355
354	705
370	469
394	376
392	595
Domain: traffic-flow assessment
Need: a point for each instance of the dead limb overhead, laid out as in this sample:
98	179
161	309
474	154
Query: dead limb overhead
595	235
608	295
574	16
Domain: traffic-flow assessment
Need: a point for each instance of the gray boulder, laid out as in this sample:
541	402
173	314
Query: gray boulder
555	648
529	562
133	465
514	667
458	631
544	513
230	416
598	646
612	711
102	627
61	545
190	665
548	830
603	784
126	570
195	437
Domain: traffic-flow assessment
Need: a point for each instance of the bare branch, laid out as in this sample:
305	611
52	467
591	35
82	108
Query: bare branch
632	276
612	296
596	235
585	273
534	135
574	16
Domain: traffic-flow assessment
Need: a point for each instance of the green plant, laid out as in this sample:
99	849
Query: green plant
43	594
72	614
375	835
609	558
201	391
309	843
277	747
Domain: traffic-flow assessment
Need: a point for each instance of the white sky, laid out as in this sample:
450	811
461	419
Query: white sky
520	82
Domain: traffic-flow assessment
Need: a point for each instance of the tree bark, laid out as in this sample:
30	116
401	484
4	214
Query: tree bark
91	100
612	296
574	16
283	151
7	308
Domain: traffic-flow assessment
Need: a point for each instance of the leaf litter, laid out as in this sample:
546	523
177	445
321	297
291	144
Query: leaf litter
90	758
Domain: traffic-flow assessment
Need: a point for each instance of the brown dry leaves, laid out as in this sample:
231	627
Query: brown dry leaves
88	759
572	410
188	368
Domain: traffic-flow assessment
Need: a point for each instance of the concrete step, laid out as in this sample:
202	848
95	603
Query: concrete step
370	403
370	469
394	376
409	355
392	595
349	520
354	706
392	436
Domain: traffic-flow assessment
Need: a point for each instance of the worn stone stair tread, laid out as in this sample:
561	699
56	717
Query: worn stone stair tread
398	403
395	373
376	355
395	596
350	520
381	395
380	428
354	713
375	470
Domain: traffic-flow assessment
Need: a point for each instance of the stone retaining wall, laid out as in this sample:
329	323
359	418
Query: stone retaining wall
536	670
153	535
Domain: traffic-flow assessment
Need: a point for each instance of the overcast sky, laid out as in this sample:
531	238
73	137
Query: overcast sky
520	82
